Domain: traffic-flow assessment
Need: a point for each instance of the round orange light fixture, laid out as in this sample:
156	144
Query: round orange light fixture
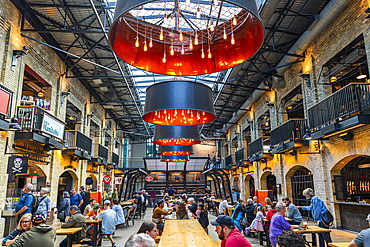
176	135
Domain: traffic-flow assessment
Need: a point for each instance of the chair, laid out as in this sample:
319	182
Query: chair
217	212
131	217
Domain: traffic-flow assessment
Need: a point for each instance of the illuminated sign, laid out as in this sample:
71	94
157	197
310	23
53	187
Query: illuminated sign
52	126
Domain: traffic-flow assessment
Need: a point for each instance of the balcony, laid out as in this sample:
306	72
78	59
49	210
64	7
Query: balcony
229	162
288	136
99	154
78	144
114	159
259	151
37	125
346	109
239	157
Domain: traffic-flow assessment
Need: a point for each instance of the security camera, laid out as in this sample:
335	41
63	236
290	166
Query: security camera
24	49
92	113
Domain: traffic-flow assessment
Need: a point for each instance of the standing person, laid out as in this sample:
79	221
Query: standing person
89	206
171	191
238	214
224	205
363	238
257	222
76	220
279	223
144	196
63	210
293	212
202	217
236	195
120	219
108	217
76	199
23	225
229	235
152	197
44	204
149	228
39	235
255	201
115	194
25	203
319	213
83	195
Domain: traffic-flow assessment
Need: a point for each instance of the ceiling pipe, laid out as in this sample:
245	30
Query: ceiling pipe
212	138
327	15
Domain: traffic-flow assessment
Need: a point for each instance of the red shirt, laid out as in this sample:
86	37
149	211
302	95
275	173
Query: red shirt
270	214
235	239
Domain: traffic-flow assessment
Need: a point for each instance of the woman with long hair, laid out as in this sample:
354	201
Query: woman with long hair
149	228
181	212
23	225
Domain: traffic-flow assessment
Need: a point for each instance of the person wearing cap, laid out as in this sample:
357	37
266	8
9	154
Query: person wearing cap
157	214
363	238
292	212
95	211
39	235
89	206
108	217
76	220
224	205
229	235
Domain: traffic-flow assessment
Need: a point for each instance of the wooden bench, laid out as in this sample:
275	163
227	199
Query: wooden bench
157	239
76	245
218	242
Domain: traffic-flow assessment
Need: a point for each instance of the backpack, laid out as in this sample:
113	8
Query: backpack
34	204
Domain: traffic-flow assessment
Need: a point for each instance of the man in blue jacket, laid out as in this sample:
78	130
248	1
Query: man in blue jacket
24	205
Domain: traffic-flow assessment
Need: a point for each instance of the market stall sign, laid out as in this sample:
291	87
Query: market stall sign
107	179
52	126
17	164
118	180
149	178
5	100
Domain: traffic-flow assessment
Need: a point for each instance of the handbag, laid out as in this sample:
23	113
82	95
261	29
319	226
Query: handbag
60	215
156	220
327	218
244	221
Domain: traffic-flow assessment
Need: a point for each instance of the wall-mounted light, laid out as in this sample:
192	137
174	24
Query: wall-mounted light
269	104
346	136
292	152
306	78
65	95
307	136
16	55
14	125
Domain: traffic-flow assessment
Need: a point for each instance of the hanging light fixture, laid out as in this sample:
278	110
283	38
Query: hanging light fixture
175	150
361	76
176	135
175	158
179	103
128	30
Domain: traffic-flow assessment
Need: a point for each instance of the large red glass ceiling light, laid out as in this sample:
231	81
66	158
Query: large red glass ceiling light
178	103
175	158
176	135
175	150
188	37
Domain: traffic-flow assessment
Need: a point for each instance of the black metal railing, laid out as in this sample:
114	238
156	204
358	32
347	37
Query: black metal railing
346	102
115	158
239	156
292	130
99	151
256	146
31	119
229	162
75	139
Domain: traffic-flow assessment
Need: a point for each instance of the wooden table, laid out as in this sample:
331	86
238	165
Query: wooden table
126	203
345	244
313	230
95	224
69	232
185	233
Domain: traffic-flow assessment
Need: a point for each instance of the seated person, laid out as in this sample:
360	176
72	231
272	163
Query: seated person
224	205
363	238
108	217
76	220
290	239
181	212
39	235
293	212
94	212
141	239
133	207
157	214
89	206
24	225
193	206
149	228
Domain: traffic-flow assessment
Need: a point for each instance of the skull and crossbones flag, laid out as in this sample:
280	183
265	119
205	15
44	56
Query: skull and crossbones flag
17	164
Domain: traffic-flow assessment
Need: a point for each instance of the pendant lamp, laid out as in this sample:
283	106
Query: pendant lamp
176	135
175	46
175	150
178	103
175	158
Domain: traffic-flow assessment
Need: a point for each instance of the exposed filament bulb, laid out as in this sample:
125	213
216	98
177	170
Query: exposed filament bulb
196	38
215	2
164	58
234	21
161	34
198	13
182	49
165	19
145	47
181	38
212	26
203	53
209	53
151	42
232	39
225	36
191	44
171	51
137	41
